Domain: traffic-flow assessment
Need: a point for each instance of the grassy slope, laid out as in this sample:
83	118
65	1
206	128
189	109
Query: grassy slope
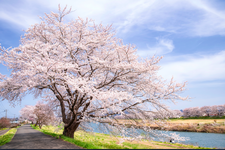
105	141
7	137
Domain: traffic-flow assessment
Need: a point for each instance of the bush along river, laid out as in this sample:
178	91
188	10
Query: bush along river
212	140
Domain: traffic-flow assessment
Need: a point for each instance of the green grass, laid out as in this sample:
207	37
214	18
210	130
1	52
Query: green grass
7	137
137	146
84	140
104	141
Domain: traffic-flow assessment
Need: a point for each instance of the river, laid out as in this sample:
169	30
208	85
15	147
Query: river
213	140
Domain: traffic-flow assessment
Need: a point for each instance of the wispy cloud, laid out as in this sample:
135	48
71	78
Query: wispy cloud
192	18
18	15
163	46
212	21
195	67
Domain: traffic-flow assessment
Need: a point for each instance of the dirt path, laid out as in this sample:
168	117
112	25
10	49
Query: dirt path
28	138
3	131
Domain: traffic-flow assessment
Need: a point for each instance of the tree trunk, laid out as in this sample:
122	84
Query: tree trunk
69	131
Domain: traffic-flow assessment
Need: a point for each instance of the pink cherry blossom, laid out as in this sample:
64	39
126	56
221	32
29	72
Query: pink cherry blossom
90	74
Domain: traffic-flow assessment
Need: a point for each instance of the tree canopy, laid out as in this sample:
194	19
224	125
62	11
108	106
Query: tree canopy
83	68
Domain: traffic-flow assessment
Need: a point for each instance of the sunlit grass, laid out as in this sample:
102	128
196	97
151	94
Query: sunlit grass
104	141
7	137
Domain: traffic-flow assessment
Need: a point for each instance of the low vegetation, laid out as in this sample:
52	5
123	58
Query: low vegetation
104	141
4	122
7	137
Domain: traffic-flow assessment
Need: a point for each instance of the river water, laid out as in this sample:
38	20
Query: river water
213	140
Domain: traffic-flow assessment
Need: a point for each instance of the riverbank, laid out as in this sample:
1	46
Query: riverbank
187	125
104	141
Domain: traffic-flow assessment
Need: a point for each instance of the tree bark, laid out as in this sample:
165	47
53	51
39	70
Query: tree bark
69	131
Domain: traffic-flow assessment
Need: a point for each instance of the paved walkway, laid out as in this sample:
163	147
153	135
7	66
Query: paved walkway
3	131
28	138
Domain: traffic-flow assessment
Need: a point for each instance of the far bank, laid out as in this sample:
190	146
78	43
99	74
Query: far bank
188	125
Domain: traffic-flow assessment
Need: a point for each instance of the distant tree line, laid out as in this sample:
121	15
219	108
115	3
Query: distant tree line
215	110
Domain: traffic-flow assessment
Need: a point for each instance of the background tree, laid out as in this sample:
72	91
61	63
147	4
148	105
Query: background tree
27	113
89	72
41	114
195	112
221	110
187	112
44	114
177	113
205	110
4	122
215	110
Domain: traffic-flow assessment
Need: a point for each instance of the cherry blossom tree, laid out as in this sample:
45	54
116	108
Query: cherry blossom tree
218	110
195	112
44	114
221	110
27	113
215	110
88	72
177	113
187	112
41	114
205	110
32	118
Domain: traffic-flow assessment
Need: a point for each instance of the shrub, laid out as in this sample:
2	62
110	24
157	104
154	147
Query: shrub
4	123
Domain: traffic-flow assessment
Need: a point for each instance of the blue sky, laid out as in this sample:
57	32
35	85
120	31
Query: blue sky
190	34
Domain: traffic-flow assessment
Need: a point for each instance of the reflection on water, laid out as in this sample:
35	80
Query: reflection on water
196	138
